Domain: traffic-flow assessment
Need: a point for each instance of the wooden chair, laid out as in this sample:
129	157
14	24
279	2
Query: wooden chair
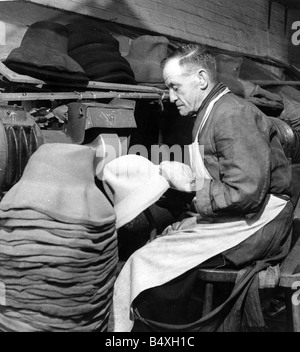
289	273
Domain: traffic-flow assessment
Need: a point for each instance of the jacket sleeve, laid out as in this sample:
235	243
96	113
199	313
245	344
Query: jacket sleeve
243	154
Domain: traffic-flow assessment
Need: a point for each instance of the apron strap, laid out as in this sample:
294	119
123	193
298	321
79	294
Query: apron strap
209	109
197	163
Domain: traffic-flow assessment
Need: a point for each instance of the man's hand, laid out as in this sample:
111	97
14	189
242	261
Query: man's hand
179	175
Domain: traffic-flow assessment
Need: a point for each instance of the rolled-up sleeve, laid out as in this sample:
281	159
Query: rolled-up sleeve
243	154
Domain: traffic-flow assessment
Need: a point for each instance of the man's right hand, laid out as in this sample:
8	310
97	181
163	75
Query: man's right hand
179	175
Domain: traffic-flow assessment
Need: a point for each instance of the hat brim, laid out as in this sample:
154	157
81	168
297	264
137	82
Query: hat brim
106	69
146	70
45	58
135	203
116	77
48	74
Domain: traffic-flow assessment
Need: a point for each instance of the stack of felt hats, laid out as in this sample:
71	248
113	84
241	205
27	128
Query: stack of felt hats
97	51
145	55
43	54
58	245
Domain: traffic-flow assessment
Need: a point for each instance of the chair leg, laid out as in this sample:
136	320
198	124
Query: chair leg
296	317
208	298
293	312
289	309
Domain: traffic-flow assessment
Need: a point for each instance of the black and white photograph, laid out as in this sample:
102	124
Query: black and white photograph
150	169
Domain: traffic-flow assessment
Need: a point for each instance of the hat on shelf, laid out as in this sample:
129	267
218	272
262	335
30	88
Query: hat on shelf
145	55
97	51
43	54
88	53
228	69
84	32
101	60
133	183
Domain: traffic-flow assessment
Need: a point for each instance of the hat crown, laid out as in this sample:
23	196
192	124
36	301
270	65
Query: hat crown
58	180
43	54
228	64
149	47
145	55
50	34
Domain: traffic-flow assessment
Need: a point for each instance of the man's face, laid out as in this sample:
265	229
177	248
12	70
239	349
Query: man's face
184	88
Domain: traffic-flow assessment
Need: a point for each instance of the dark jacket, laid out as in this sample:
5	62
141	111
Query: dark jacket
243	154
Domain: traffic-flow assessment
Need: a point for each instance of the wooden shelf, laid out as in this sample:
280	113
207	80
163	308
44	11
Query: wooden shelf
89	95
93	90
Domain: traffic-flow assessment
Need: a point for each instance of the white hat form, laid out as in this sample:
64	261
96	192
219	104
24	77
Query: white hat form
133	183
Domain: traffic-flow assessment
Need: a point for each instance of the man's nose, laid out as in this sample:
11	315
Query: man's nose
173	96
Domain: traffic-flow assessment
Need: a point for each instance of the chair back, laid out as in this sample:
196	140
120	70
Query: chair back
295	184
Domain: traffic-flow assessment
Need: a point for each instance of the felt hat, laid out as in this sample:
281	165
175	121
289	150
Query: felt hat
107	68
87	53
228	69
133	183
97	51
145	55
85	32
251	70
48	74
58	180
103	62
43	53
100	58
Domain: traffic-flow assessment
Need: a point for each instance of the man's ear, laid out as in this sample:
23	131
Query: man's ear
203	78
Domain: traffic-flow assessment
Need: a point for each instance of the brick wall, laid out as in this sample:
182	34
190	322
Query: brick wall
235	25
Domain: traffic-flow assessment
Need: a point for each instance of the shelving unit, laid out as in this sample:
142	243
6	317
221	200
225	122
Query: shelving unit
92	91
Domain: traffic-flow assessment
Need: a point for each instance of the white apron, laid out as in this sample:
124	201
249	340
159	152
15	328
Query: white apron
172	255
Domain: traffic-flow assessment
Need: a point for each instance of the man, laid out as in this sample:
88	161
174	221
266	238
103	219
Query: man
241	214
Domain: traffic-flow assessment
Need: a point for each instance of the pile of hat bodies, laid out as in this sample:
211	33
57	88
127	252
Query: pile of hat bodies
58	245
97	51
